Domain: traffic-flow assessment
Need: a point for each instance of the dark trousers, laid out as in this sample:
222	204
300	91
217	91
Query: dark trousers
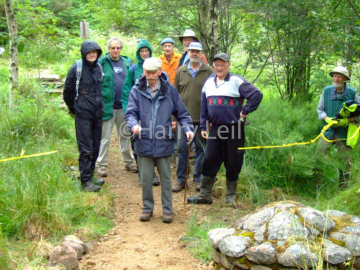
88	135
222	146
200	143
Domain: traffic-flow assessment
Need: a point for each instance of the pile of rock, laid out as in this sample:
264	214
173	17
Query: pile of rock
289	235
68	253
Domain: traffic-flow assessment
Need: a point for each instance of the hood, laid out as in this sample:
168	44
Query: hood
142	43
88	46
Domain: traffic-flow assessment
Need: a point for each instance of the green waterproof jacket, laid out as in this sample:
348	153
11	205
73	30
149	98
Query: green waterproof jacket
132	76
108	94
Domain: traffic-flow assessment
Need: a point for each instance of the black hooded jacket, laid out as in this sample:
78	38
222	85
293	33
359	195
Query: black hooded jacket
89	104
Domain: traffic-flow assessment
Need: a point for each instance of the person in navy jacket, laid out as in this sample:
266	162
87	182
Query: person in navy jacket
222	108
152	102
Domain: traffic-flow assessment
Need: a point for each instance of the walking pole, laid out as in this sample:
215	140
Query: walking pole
187	172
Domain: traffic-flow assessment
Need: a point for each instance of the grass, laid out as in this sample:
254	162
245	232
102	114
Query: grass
197	239
39	198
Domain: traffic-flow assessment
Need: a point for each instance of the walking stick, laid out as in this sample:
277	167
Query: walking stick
187	172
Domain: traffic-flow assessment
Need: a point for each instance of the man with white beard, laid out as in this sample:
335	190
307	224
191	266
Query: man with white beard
189	81
331	101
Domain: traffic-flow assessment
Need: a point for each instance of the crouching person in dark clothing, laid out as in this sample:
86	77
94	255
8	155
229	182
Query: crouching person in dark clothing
82	95
222	100
152	101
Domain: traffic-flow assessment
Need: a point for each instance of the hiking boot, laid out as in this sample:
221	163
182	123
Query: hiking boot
155	180
231	192
204	197
131	168
98	181
145	216
102	172
178	187
89	187
167	218
197	185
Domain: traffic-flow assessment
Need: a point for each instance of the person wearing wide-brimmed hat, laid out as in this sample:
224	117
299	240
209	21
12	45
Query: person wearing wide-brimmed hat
331	101
186	39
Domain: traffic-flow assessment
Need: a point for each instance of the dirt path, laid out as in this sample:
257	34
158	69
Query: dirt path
132	244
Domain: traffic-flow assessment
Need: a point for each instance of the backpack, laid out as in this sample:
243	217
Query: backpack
78	75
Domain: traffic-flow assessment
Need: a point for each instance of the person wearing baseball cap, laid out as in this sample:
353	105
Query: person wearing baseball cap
186	39
152	102
189	81
222	100
170	59
331	101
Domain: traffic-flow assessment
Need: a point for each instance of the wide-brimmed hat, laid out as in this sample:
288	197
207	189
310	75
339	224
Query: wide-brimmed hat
188	33
340	70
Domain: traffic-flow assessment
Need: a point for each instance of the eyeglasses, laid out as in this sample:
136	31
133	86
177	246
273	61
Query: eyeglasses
115	48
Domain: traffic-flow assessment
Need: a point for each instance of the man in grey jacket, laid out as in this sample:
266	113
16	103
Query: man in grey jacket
189	81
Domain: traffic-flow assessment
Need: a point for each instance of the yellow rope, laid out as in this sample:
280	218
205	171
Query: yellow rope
28	156
304	143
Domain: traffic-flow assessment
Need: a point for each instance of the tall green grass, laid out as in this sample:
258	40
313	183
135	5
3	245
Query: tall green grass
38	197
299	170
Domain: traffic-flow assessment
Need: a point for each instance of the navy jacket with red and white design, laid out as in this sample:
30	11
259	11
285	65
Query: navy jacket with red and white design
221	104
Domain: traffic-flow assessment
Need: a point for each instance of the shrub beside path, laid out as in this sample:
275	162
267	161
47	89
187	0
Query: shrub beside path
132	244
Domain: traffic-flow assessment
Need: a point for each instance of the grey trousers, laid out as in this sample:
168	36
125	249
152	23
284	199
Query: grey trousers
118	120
146	171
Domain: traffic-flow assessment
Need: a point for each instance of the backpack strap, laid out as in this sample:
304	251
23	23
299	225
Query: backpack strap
78	77
133	67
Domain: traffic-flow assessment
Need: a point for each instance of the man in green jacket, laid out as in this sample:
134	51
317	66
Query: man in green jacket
115	68
189	81
331	101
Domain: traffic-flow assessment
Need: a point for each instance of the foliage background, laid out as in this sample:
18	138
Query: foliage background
286	48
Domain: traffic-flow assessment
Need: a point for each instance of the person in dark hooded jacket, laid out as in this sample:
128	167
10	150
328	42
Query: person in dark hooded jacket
87	106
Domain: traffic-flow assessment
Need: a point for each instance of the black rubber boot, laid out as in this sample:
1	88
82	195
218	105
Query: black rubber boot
89	187
204	197
231	191
98	181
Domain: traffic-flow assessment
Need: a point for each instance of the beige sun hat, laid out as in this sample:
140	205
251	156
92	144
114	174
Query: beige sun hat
340	70
188	33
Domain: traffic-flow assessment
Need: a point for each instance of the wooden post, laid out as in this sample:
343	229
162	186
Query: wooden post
84	29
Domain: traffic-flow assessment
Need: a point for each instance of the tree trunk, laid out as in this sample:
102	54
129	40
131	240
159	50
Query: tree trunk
214	29
13	69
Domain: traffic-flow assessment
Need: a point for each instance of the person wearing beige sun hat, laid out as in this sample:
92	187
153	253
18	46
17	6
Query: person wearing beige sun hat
186	39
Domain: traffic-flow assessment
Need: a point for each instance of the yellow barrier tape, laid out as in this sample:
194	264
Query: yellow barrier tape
28	156
303	143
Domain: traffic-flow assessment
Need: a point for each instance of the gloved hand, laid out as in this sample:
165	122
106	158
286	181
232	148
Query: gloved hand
328	120
343	122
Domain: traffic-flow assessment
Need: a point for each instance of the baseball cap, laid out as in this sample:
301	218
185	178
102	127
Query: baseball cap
222	56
